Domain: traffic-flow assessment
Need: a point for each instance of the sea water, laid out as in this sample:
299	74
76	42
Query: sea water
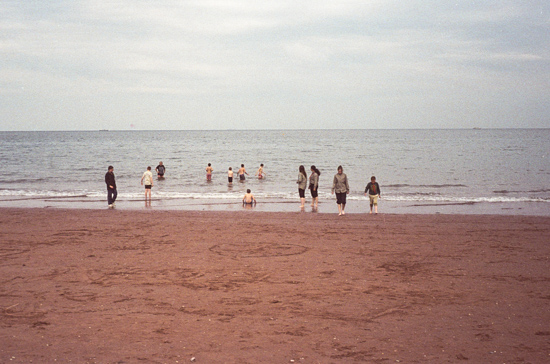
496	171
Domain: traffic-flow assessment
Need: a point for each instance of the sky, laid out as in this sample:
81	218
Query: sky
254	64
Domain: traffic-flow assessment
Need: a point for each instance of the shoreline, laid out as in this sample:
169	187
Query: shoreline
255	287
326	206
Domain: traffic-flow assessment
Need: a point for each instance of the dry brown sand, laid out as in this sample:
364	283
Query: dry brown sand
107	286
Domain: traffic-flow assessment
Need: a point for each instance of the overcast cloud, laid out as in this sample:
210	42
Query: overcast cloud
200	64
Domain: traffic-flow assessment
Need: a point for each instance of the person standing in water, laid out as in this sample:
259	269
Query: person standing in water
373	189
160	170
111	186
340	186
260	172
302	184
230	175
209	171
241	173
147	178
314	186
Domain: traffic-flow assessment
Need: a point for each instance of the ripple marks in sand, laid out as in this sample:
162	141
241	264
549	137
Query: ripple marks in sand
258	250
189	278
9	252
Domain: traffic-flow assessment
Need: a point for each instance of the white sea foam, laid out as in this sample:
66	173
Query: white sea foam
446	199
42	193
291	196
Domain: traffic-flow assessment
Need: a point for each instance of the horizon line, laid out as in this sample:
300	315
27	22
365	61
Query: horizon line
297	129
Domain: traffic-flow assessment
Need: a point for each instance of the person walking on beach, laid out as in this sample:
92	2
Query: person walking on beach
209	171
147	179
260	172
302	184
373	190
160	170
111	186
241	173
314	186
230	175
340	186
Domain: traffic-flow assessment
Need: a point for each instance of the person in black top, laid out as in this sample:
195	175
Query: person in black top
111	186
373	190
160	170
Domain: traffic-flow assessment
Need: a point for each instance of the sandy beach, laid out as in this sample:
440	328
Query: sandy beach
119	286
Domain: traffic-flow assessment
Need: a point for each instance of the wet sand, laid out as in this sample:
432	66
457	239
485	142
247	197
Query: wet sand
329	206
112	286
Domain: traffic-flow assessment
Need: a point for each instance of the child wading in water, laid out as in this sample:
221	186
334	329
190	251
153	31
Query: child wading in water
230	175
242	172
373	189
248	198
209	171
260	172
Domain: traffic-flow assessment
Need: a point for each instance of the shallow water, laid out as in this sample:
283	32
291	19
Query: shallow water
498	171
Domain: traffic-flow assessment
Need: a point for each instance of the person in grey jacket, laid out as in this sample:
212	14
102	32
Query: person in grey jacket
302	184
340	186
314	186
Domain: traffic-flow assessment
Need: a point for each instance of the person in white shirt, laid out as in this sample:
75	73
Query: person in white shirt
147	179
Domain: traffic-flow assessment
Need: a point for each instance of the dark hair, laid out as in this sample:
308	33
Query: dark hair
242	165
313	168
261	165
341	168
209	164
303	171
248	190
149	168
110	167
373	178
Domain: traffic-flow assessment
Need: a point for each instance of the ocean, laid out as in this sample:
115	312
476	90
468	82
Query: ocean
476	171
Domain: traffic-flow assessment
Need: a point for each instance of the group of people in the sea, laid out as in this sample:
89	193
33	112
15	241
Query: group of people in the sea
242	173
340	185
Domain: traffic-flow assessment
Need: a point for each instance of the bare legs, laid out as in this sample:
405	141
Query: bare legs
314	201
341	207
375	208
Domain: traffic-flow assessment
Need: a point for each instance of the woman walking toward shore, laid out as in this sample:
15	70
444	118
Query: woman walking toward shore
302	183
314	185
340	185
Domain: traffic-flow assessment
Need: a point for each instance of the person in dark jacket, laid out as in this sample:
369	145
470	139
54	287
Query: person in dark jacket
373	189
111	186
